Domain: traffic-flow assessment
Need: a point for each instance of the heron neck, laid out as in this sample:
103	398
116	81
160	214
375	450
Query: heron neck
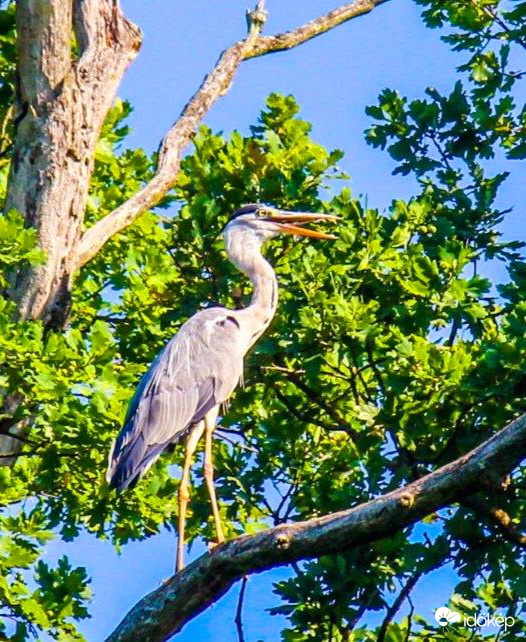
265	294
247	257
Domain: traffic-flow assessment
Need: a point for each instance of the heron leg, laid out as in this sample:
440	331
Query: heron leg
184	495
210	424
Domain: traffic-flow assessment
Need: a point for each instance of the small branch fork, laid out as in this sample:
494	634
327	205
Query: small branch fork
166	610
216	84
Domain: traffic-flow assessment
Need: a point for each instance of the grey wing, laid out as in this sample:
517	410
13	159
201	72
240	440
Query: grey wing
198	369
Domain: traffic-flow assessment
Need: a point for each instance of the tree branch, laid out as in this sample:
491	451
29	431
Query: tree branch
216	84
498	518
167	609
314	28
238	620
397	604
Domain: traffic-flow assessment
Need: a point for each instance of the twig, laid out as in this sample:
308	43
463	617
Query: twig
395	606
455	327
284	498
496	18
315	396
374	364
360	612
440	150
409	618
239	611
283	369
237	444
16	453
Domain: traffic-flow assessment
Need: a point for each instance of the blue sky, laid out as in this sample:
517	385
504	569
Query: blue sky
333	78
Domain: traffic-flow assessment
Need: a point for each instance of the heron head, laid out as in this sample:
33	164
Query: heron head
266	222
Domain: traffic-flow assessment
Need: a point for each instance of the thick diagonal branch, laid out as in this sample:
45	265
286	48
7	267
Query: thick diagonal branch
166	610
215	85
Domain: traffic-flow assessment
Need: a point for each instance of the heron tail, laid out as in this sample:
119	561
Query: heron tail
129	460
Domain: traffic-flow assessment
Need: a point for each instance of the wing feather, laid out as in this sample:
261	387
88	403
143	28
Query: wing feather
198	369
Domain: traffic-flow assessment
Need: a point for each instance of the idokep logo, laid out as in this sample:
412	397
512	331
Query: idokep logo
445	616
485	619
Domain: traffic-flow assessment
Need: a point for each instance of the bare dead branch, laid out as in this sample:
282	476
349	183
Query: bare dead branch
216	84
167	609
290	39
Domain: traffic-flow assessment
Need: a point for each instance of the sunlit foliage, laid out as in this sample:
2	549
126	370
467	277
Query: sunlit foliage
391	353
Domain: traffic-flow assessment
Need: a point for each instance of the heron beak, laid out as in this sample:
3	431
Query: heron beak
289	222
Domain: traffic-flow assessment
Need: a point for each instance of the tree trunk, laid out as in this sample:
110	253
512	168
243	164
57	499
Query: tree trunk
62	99
61	104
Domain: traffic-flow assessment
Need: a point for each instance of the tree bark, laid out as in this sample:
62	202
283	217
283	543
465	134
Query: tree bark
62	100
167	609
61	106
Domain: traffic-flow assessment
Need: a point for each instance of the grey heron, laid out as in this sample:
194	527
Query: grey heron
200	367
